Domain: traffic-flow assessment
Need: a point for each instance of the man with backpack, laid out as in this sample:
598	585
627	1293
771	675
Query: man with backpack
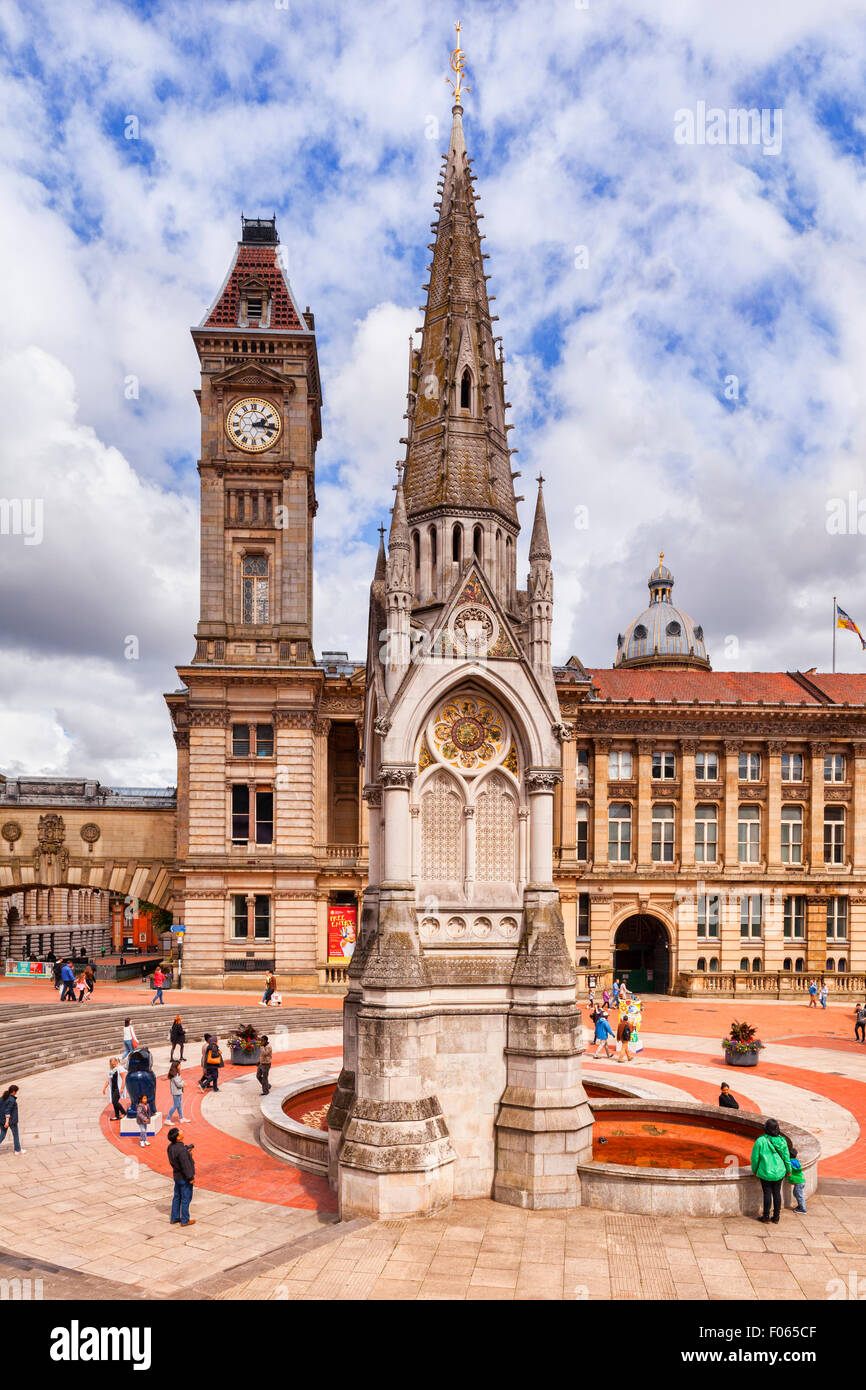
623	1037
212	1062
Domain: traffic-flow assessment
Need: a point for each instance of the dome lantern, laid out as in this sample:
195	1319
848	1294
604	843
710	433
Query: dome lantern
662	635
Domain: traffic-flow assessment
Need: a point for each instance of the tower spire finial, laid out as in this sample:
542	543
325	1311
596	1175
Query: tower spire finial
458	66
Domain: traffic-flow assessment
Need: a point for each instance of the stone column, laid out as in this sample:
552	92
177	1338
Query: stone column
816	932
775	748
642	832
732	802
396	782
250	900
857	808
598	849
540	784
816	812
523	831
469	845
688	747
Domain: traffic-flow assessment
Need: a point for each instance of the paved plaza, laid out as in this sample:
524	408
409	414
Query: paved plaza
86	1212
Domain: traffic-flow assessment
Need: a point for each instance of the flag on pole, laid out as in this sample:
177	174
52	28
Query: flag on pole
843	620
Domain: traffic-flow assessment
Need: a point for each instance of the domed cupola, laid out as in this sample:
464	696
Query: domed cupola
662	635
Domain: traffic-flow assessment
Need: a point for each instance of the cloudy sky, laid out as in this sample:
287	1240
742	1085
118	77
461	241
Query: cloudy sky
684	322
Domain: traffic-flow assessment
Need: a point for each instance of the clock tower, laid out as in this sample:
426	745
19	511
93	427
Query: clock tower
260	402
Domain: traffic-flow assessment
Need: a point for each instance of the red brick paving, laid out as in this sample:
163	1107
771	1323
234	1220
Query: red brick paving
224	1164
135	995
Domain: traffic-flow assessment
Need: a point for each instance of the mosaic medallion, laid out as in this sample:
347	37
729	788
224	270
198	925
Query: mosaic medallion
468	732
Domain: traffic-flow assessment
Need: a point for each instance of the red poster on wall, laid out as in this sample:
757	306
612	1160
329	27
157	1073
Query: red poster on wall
342	930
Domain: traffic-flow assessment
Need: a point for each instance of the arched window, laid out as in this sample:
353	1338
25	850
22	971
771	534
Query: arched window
799	963
831	963
509	566
756	963
476	542
582	962
457	542
416	556
499	573
441	830
714	962
786	963
842	965
702	964
466	390
434	559
744	963
496	832
256	592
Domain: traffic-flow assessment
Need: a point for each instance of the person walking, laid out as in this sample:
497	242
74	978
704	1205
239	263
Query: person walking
9	1117
860	1024
176	1085
603	1036
263	1070
813	995
727	1099
797	1179
158	982
771	1162
623	1037
143	1114
182	1165
616	988
202	1081
89	980
57	972
67	975
270	986
130	1041
822	994
81	986
212	1063
116	1081
177	1037
605	997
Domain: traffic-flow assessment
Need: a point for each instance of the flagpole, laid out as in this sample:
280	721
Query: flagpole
834	634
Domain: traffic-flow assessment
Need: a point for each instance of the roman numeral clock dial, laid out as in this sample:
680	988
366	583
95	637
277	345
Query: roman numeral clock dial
253	425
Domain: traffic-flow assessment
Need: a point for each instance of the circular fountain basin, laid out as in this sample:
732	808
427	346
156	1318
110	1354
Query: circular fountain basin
657	1157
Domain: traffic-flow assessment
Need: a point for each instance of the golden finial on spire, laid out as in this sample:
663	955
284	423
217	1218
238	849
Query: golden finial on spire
661	557
458	65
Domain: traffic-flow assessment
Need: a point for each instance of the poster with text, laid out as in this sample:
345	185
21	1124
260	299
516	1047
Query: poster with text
342	930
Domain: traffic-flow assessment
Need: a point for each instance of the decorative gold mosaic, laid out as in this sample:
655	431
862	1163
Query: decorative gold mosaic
468	732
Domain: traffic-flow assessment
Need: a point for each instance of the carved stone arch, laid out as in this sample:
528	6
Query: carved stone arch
442	852
496	834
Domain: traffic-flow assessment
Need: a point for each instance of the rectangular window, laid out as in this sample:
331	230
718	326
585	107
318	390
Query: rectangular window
264	817
255	589
240	740
750	767
583	915
582	767
792	834
834	834
792	767
582	850
837	919
794	918
264	740
254	308
619	765
749	835
262	917
751	915
834	767
706	834
663	834
706	767
708	915
239	916
240	814
619	832
664	766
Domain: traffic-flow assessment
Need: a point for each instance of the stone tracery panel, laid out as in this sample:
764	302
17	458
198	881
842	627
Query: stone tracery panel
496	832
441	830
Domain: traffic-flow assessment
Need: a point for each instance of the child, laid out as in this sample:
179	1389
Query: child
143	1114
795	1176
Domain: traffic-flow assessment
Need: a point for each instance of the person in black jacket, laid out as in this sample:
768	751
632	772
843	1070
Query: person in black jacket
9	1117
183	1167
177	1037
726	1098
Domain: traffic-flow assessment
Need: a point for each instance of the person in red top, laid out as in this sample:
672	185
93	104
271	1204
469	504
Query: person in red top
158	982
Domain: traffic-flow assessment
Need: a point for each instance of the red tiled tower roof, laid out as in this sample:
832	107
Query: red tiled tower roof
256	262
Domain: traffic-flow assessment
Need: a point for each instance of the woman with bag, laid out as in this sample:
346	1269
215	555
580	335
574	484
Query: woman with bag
116	1079
213	1061
771	1162
130	1041
9	1117
177	1038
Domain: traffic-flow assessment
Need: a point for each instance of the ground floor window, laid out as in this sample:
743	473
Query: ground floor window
261	917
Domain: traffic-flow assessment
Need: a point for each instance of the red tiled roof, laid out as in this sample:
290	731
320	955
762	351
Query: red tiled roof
259	262
842	686
773	687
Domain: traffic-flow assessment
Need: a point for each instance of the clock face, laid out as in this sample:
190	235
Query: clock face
253	424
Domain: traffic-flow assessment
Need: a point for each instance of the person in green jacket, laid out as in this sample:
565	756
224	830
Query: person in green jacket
771	1162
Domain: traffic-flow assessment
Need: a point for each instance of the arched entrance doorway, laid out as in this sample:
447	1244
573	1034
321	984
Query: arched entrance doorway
641	954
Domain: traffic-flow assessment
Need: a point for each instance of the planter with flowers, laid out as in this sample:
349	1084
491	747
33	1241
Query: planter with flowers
742	1047
245	1046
